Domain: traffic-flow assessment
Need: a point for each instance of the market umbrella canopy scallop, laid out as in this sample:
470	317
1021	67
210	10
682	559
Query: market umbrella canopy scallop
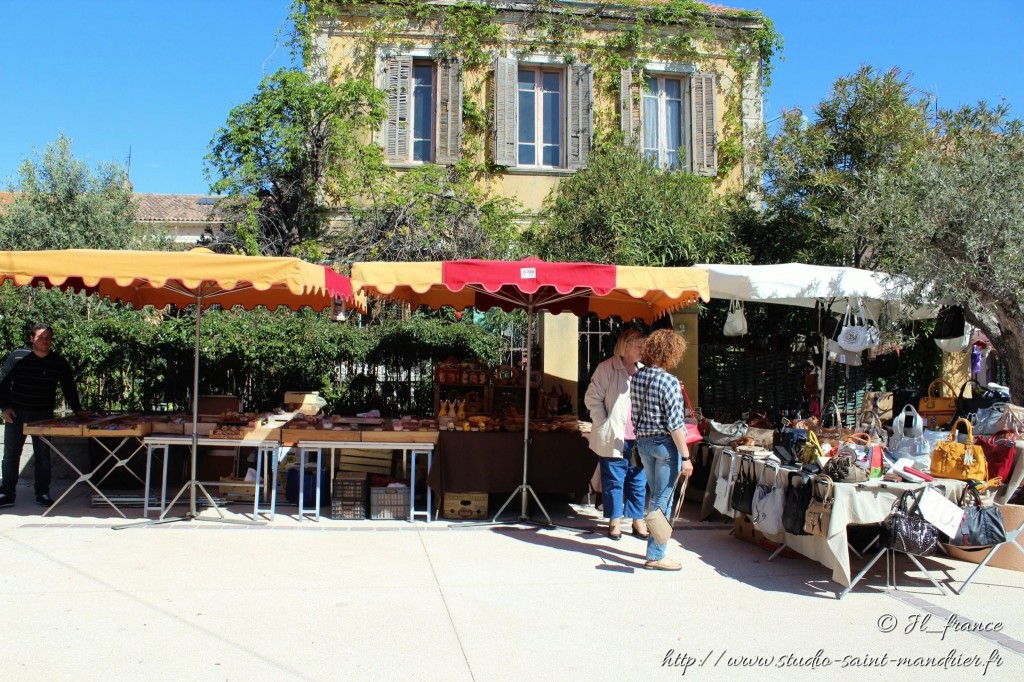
627	292
160	278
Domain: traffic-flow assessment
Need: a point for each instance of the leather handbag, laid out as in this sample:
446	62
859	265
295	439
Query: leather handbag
724	475
769	501
798	498
980	526
1000	453
693	434
831	424
908	434
877	403
843	467
986	419
725	434
735	321
812	450
936	410
981	398
907	531
742	498
819	511
960	461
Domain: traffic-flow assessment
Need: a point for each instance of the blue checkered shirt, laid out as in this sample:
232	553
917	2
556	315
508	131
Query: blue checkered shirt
657	402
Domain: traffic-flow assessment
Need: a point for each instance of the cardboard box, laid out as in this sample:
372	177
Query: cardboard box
306	402
464	506
743	528
1011	558
237	489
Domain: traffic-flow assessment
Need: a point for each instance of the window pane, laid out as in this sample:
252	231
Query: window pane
673	124
653	87
527	155
552	82
552	118
672	158
673	88
527	116
651	122
422	112
527	79
552	155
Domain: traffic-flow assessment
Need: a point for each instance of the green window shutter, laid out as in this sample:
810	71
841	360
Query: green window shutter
449	110
581	114
702	102
398	86
506	114
631	91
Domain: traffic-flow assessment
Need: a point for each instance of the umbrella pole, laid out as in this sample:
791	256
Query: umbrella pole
195	412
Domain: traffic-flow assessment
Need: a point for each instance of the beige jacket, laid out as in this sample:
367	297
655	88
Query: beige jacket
607	398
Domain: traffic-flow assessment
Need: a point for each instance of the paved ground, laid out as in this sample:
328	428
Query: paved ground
392	600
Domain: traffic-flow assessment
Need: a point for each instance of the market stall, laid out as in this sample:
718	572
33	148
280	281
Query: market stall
535	286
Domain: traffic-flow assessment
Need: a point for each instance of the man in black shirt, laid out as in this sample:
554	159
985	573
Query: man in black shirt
28	393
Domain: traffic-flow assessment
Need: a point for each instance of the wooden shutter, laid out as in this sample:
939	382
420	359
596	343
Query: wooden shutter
631	92
506	111
398	86
581	114
702	104
449	111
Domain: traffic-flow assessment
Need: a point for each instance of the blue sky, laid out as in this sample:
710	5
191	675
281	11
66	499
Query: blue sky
159	78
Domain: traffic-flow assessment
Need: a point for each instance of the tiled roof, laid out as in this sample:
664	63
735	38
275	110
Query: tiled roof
178	208
6	198
712	7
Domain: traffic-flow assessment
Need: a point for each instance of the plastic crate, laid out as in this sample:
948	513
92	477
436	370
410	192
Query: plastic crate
389	503
348	509
350	486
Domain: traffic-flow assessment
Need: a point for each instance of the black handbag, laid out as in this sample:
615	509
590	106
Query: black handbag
788	443
980	526
982	398
949	324
907	531
743	487
798	498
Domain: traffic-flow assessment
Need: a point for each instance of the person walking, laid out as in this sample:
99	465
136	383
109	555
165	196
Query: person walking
28	393
623	486
658	422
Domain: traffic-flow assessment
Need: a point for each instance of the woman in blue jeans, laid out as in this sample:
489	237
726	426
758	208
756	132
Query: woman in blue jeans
658	423
623	486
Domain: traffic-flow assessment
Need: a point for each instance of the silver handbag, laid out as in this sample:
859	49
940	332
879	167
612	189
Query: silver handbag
724	434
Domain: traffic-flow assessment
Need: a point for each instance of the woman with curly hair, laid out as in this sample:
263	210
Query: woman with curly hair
623	486
658	423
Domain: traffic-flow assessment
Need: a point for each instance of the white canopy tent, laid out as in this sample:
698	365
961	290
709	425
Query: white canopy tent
803	285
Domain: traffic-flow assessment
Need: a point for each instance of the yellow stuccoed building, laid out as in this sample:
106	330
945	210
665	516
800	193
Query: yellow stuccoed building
522	89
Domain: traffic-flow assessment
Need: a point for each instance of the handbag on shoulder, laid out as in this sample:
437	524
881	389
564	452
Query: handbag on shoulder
960	461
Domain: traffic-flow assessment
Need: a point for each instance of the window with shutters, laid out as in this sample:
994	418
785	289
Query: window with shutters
424	101
543	114
669	113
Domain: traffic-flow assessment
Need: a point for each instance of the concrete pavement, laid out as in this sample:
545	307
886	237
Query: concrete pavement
393	600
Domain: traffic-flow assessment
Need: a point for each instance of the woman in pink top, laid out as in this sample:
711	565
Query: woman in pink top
624	487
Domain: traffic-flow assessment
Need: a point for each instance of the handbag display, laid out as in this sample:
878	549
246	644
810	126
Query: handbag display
736	320
841	356
798	497
986	419
831	424
724	475
950	322
725	434
877	403
960	461
1000	453
980	526
936	410
1012	419
819	511
843	468
858	333
982	398
908	435
769	501
907	531
743	485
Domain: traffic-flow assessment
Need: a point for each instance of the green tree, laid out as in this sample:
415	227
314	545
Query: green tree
59	203
297	141
953	222
623	209
869	122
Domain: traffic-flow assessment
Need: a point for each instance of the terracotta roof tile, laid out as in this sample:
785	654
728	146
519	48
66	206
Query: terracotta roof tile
175	207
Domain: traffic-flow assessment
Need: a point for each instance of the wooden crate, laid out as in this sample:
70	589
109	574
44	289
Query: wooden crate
117	430
253	433
367	461
53	427
400	437
330	435
174	428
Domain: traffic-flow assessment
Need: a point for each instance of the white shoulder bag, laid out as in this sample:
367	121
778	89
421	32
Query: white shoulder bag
736	320
856	333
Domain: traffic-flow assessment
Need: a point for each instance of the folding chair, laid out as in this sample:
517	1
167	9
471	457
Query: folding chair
1012	539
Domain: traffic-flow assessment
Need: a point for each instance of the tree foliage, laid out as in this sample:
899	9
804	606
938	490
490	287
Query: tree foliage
869	122
296	141
60	203
623	209
953	221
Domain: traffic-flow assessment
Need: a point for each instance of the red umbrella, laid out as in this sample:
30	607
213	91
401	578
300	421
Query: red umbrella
534	285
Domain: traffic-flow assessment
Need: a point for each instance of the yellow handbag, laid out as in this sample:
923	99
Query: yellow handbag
937	410
812	449
961	461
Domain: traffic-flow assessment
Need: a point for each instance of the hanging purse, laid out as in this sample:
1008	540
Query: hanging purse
735	321
960	461
937	410
1000	453
980	526
727	466
690	418
819	511
769	501
798	497
907	531
742	498
857	333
